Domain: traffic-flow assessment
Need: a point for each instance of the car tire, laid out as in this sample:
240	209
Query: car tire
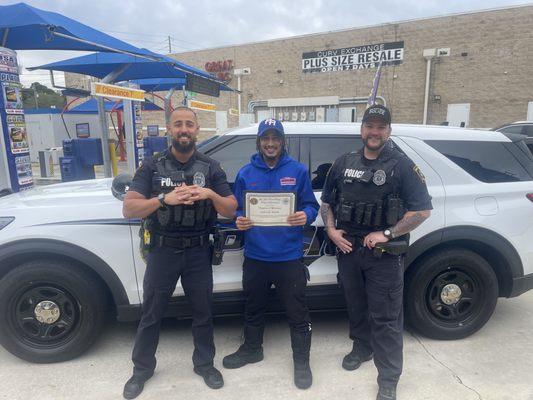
50	311
450	294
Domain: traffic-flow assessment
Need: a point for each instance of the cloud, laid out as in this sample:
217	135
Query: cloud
209	23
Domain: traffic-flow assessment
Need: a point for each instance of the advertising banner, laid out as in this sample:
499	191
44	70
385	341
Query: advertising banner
137	123
353	58
14	152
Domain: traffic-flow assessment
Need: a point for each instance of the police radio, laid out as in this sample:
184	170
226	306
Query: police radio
177	177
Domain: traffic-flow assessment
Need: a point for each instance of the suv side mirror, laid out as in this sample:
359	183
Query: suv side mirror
120	185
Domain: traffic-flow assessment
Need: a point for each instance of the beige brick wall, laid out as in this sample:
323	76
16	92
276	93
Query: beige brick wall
495	76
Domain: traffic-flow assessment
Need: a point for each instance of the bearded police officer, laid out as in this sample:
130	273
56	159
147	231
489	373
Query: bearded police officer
272	254
371	200
178	194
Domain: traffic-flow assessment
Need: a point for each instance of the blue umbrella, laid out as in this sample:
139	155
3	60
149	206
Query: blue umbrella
164	84
90	106
23	27
159	84
126	67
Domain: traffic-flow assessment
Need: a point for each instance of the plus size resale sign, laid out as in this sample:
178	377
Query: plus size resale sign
353	58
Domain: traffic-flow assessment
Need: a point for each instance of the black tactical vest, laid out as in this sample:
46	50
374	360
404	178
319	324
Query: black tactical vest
367	196
186	219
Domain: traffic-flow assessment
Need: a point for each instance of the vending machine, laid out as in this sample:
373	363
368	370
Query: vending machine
15	164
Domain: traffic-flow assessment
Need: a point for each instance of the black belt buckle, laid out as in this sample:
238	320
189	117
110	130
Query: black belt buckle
186	242
179	242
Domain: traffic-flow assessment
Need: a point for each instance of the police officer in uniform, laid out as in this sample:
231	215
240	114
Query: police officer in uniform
178	194
371	200
272	254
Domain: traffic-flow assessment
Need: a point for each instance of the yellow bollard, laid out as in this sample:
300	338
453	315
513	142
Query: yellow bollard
113	157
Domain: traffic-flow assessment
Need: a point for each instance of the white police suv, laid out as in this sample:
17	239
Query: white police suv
68	259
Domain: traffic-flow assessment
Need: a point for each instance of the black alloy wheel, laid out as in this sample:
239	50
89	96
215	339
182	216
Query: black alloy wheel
44	314
50	310
450	294
454	295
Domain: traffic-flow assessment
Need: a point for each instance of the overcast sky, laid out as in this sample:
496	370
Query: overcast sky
201	24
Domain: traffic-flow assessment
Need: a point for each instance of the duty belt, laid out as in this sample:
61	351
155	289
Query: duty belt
180	242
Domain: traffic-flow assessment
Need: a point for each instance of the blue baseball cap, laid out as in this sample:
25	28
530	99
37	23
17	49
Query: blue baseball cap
270	124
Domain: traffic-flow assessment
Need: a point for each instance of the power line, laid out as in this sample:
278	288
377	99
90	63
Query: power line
184	41
147	41
155	35
184	47
138	34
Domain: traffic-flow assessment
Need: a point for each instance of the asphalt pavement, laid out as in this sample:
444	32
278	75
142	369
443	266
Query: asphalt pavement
496	363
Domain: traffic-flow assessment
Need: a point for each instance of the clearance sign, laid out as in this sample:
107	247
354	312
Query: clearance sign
353	58
200	105
117	92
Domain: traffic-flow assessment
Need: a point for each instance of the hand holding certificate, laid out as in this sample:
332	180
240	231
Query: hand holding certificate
269	208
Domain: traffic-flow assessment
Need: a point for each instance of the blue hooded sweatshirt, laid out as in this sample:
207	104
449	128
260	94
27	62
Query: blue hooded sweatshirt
276	243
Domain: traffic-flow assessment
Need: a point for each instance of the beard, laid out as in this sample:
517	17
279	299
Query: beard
374	148
183	148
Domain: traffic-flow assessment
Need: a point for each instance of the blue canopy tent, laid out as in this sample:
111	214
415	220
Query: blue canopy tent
115	67
23	27
123	67
160	84
90	106
165	74
164	84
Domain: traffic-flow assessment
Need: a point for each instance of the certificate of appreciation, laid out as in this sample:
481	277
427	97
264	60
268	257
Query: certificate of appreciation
269	208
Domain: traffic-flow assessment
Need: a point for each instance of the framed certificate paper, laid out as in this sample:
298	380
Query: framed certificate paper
269	208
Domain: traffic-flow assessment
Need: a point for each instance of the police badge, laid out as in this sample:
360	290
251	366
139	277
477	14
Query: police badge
379	177
198	179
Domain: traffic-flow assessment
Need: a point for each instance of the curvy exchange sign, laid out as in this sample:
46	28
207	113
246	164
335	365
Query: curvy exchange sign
353	58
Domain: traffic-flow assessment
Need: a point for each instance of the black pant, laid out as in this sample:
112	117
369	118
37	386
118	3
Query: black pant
373	289
164	267
289	278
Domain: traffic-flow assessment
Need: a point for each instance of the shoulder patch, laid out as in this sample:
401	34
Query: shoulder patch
419	173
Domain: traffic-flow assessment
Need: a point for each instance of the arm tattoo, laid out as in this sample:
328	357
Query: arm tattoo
327	215
409	222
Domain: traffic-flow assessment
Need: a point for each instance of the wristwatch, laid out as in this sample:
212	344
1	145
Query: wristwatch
161	198
388	234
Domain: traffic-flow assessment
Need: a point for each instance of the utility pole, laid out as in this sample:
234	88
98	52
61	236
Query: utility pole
169	45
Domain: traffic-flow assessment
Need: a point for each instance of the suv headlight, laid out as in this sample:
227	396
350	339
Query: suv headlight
5	221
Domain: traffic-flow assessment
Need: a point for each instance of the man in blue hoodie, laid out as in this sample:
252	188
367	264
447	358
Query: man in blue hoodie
272	255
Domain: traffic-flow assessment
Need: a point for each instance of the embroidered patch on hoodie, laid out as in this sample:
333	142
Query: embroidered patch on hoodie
287	181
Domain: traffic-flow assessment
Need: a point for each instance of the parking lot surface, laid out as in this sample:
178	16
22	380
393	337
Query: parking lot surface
494	364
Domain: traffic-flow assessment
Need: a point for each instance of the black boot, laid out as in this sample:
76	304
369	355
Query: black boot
249	352
134	386
386	393
301	347
356	357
